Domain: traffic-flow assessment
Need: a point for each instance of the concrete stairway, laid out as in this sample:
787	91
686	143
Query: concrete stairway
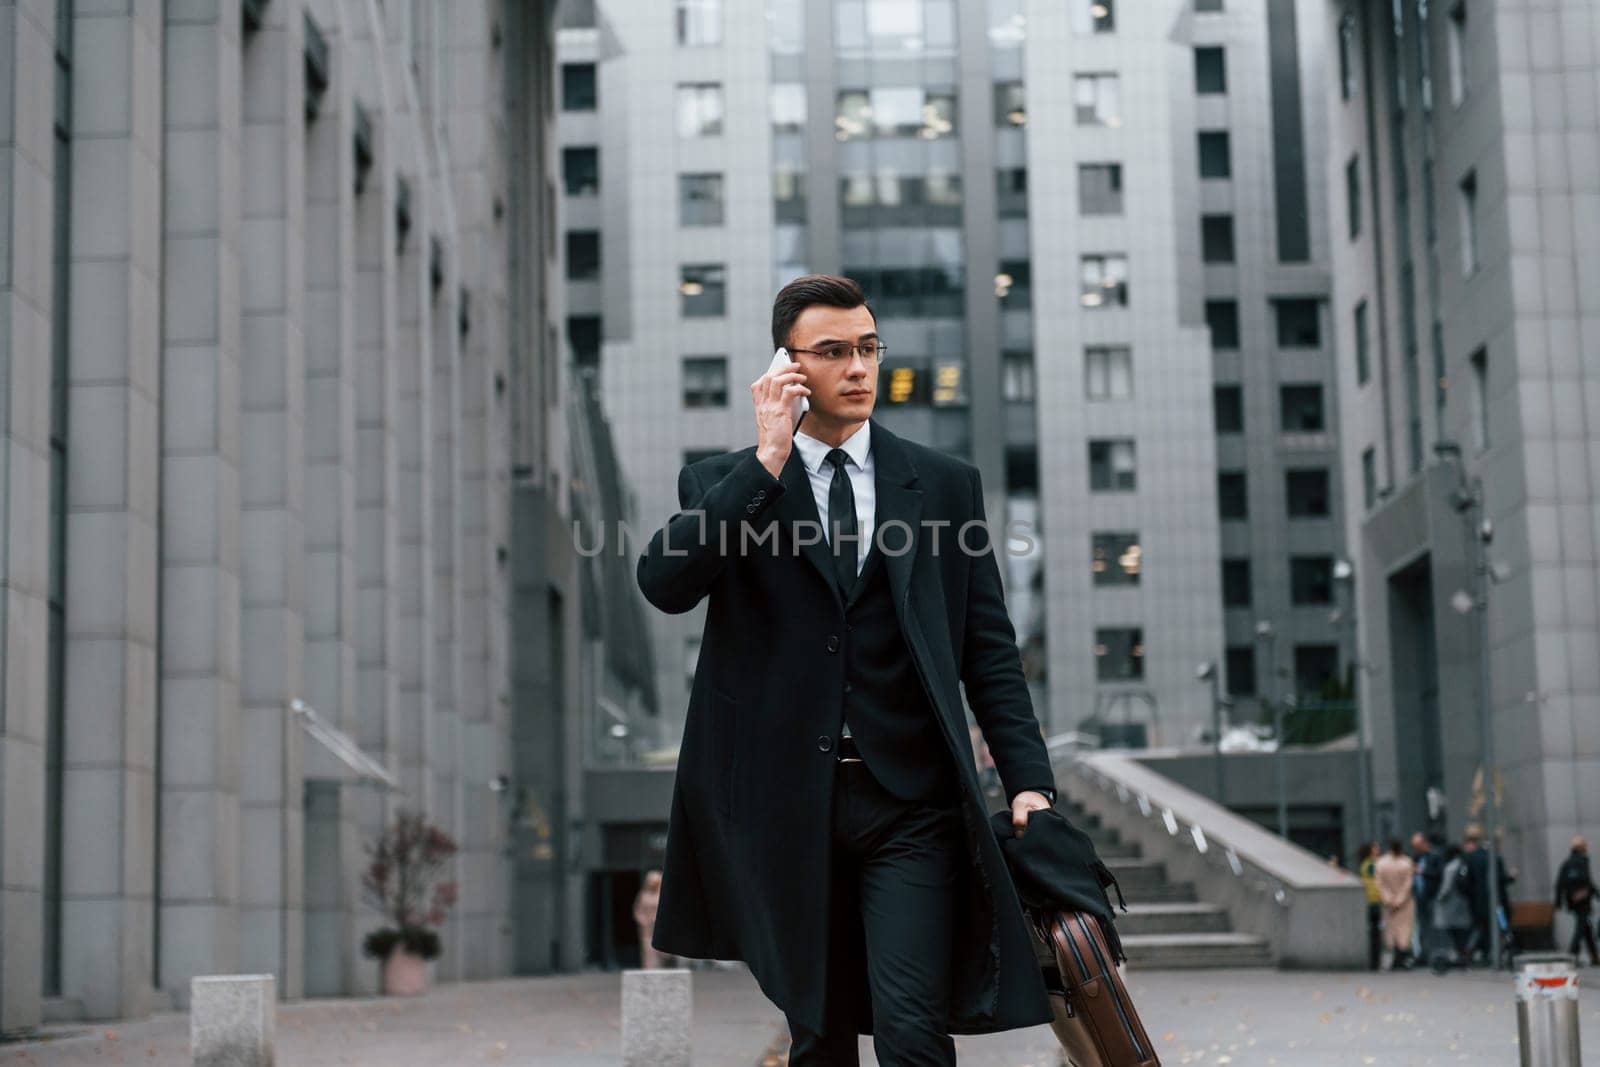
1166	925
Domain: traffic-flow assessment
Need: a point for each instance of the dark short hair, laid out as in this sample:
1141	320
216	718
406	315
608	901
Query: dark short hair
807	290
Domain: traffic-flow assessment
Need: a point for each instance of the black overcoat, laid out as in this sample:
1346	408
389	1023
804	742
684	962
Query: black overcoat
747	859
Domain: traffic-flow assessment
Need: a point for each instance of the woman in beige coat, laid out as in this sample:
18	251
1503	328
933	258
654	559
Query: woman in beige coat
1394	873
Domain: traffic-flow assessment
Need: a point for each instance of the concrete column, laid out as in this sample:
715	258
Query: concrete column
109	736
199	649
272	398
330	516
445	616
27	254
413	416
377	459
485	951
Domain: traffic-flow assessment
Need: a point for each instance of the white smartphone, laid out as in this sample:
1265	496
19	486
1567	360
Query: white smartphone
781	358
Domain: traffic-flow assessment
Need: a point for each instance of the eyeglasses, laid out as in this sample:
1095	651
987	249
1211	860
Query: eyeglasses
871	351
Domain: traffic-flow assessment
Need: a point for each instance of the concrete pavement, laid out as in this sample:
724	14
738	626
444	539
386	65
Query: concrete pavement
1243	1018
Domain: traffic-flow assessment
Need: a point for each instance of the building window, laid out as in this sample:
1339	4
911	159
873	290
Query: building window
1479	362
1222	319
1119	654
1241	671
705	381
903	382
1216	238
1227	405
703	290
1206	7
1210	70
1233	495
577	87
1104	281
700	200
1108	372
1113	467
1236	583
1301	408
1347	55
1311	579
583	255
1016	376
1100	188
1097	98
699	22
695	455
1307	493
1369	478
580	170
895	111
1352	194
1013	284
1115	558
583	334
1011	192
1363	352
1094	16
1010	104
1215	157
1314	667
699	109
1469	223
1457	53
1299	323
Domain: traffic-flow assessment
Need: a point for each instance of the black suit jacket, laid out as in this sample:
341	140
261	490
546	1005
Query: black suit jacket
747	859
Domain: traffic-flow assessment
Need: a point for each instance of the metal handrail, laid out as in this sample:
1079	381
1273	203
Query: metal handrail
1189	833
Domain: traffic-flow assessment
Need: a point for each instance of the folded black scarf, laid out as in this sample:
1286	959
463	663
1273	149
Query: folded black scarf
1054	867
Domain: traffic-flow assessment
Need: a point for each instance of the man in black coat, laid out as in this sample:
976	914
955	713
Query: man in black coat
827	825
1575	891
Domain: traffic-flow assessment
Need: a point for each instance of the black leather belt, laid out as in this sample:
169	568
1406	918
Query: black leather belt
846	750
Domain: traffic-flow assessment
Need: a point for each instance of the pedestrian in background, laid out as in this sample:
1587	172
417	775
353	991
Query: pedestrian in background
1393	874
644	915
1484	925
1428	855
1367	868
1575	891
1452	912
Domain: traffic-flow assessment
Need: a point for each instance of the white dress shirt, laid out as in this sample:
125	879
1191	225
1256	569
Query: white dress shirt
858	446
860	468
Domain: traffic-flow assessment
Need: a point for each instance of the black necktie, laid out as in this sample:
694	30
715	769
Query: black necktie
842	522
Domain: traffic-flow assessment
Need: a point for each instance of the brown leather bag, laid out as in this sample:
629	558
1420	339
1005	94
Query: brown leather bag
1095	1019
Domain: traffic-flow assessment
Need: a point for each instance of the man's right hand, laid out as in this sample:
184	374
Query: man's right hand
774	394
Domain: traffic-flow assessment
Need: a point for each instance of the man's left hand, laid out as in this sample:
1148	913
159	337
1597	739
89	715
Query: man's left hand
1024	802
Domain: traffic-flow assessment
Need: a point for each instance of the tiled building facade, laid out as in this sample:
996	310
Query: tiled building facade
286	423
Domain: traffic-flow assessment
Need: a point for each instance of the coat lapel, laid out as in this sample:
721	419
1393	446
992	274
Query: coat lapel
898	503
899	514
797	505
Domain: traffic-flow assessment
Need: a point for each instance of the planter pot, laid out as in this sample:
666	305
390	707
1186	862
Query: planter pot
404	975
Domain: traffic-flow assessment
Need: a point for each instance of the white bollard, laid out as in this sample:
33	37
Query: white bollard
656	1011
232	1019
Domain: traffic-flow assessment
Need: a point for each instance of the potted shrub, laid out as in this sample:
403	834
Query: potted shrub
405	881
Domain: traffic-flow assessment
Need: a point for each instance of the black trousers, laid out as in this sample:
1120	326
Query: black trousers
1583	934
895	866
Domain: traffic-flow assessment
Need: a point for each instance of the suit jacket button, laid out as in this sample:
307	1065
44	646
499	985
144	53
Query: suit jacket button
847	687
833	642
824	743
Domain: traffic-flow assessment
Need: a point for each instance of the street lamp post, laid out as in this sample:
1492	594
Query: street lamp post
1344	573
1467	500
1208	672
1267	634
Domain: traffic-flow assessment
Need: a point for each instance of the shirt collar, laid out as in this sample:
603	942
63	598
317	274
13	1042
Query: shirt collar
814	453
